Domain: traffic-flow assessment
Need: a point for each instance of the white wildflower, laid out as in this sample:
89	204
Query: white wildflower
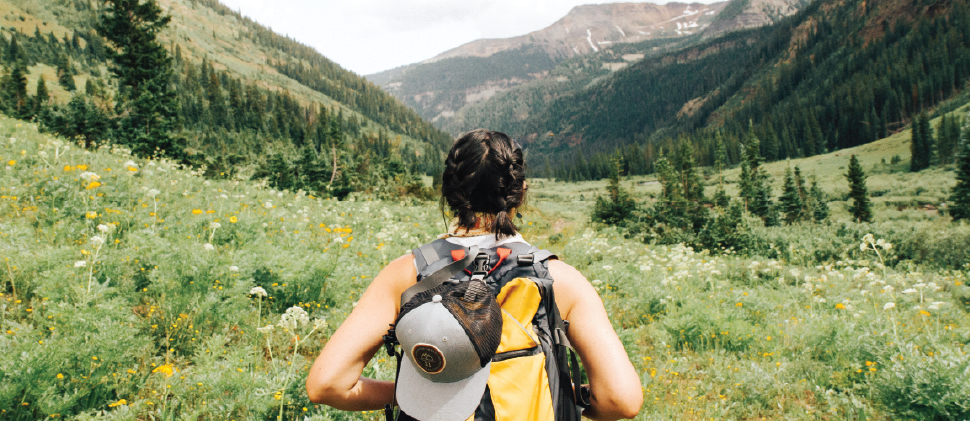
597	282
152	193
265	329
319	323
258	291
131	166
215	225
608	267
294	316
889	306
234	268
97	241
268	205
90	176
104	228
887	246
910	291
208	247
889	289
80	263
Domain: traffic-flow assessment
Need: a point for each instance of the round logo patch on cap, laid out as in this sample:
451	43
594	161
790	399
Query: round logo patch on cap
429	358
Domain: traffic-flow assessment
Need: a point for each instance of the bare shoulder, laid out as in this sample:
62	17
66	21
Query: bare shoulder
572	288
397	276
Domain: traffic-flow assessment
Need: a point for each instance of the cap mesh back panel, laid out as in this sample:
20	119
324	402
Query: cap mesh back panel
474	306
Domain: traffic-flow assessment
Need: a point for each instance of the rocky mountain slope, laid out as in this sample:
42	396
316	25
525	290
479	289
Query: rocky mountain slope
743	14
589	28
441	86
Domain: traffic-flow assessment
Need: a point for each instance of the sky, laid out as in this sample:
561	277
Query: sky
369	36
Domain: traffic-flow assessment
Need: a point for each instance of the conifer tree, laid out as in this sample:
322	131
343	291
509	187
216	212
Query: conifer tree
959	205
791	201
754	187
148	104
42	97
693	188
861	208
618	206
922	145
819	206
13	85
721	198
65	74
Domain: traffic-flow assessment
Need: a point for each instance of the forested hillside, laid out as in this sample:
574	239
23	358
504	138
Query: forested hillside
838	74
250	102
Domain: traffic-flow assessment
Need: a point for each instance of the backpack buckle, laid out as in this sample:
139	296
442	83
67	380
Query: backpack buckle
526	259
480	266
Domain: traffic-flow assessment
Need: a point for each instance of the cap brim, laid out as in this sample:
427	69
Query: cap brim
425	400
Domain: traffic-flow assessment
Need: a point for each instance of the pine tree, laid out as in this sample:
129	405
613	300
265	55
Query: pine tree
922	145
148	105
65	73
13	85
861	208
819	206
42	98
959	205
693	188
618	206
754	187
790	201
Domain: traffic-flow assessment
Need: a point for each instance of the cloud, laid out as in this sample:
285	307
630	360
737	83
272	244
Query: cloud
367	36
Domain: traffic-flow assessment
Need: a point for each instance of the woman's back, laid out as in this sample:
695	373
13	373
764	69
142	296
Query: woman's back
483	184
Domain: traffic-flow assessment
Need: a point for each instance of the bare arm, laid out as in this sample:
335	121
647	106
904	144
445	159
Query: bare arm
613	381
335	378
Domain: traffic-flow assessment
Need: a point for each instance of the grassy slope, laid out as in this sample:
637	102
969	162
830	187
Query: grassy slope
725	340
895	192
710	336
201	33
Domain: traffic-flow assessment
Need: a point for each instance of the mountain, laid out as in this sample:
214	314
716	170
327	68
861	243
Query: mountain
837	74
250	100
441	86
744	14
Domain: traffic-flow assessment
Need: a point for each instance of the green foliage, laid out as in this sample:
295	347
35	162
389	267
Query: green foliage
923	146
617	206
913	385
148	106
755	189
790	202
861	208
959	205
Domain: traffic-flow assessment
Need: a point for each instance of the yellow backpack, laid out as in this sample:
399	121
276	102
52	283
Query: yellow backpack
534	374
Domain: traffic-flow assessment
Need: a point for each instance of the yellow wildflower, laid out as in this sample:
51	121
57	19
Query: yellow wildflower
165	369
197	211
11	162
233	219
121	402
82	167
93	185
60	376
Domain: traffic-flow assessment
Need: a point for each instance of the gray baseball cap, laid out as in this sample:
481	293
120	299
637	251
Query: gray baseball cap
448	336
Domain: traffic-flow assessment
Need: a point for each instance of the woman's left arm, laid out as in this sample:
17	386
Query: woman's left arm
614	384
335	378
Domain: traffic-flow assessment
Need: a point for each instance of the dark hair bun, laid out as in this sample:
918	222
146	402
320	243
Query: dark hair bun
484	174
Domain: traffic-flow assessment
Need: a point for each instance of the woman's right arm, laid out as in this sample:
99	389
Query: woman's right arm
335	378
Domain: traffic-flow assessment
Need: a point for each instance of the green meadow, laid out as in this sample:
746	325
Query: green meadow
134	290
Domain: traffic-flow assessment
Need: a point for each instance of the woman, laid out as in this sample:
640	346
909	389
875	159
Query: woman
483	184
